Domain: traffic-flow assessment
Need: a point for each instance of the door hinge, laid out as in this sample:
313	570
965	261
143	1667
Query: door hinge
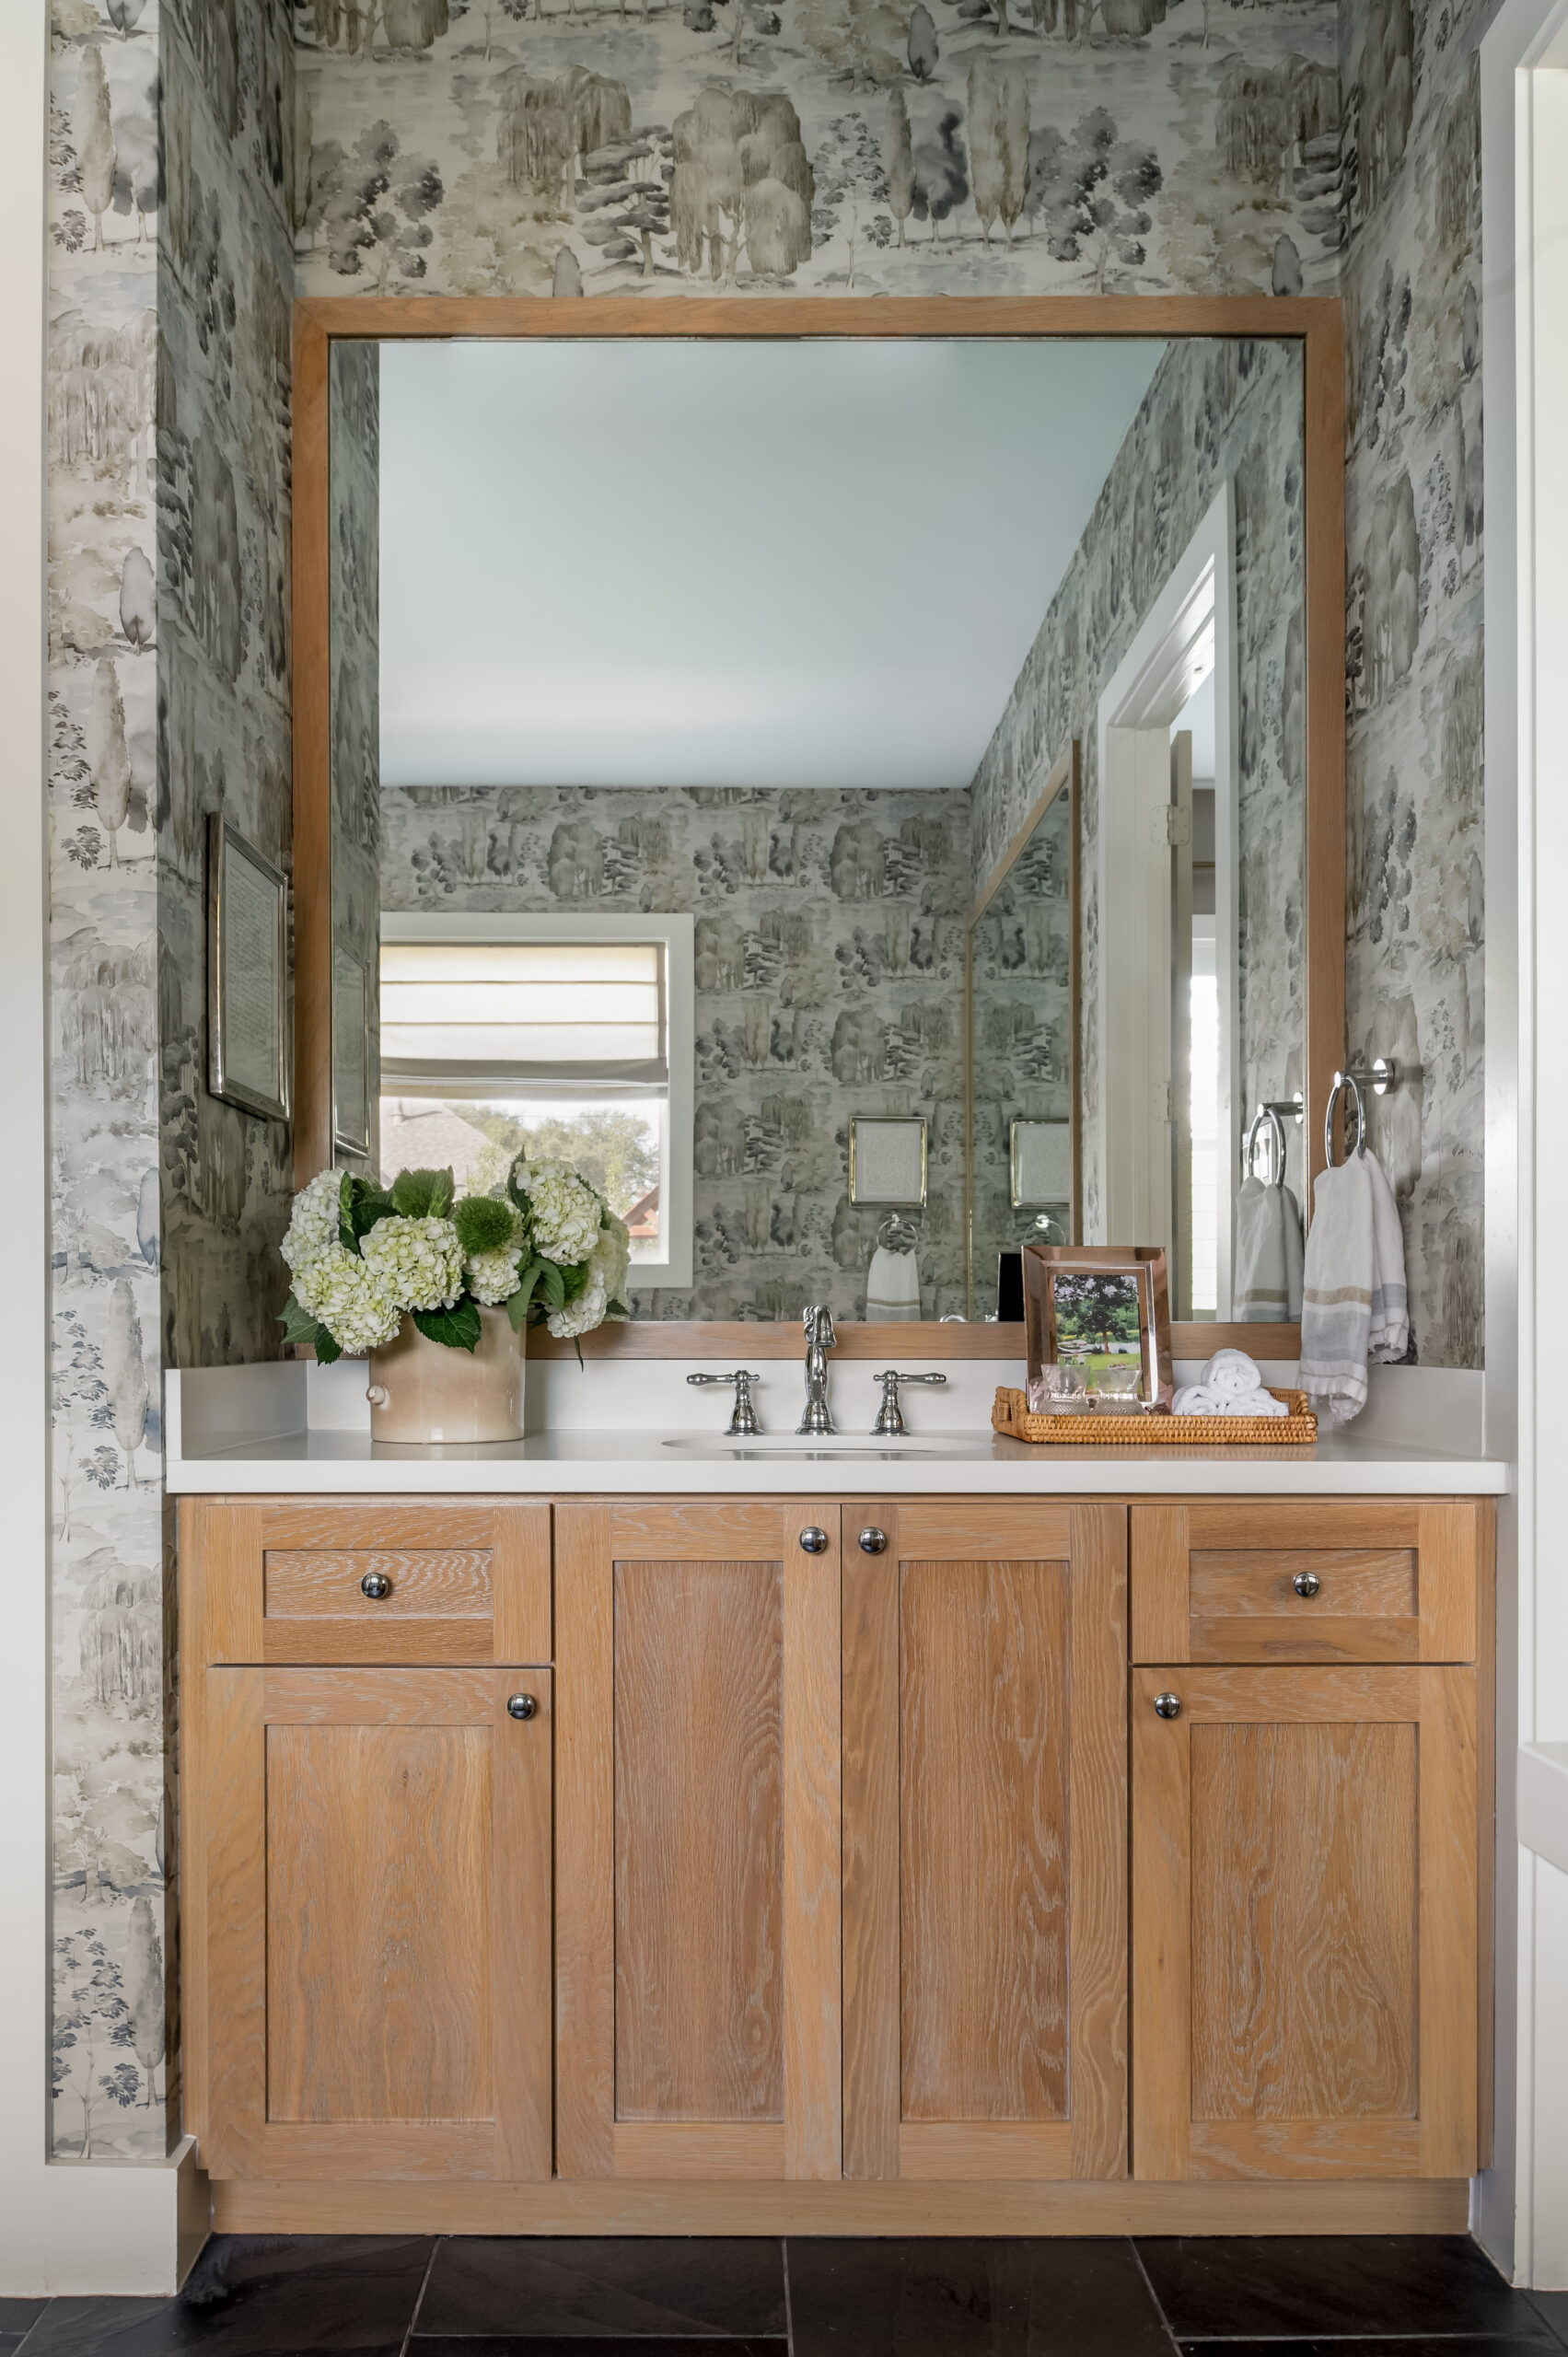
1178	824
1161	1107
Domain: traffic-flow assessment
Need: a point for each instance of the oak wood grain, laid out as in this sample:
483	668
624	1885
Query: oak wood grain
955	2206
699	1890
813	1855
1486	1830
1448	1912
1099	1896
1313	318
378	1955
379	1922
984	1747
324	1584
585	1842
662	2148
1303	1916
1232	2148
1451	1563
994	2148
871	2023
1367	1581
1161	1751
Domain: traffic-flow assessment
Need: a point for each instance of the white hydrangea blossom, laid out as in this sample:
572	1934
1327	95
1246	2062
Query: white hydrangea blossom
313	1224
580	1316
420	1260
357	1307
493	1276
565	1212
611	1258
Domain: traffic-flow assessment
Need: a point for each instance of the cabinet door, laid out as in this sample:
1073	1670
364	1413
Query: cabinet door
697	1875
1304	1923
377	1923
1292	1579
985	1839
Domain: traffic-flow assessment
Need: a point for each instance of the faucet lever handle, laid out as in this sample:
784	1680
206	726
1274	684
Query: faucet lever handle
890	1416
744	1419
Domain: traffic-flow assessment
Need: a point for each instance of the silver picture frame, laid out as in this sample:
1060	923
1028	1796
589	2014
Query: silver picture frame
888	1160
1040	1163
351	1055
248	1064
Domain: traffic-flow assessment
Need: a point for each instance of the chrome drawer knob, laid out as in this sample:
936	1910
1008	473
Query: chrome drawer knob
1168	1706
375	1584
520	1706
813	1539
1306	1583
873	1541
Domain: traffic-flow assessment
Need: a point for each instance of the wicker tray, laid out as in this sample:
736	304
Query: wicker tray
1012	1419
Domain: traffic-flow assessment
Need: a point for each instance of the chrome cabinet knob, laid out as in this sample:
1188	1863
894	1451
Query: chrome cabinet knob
871	1541
813	1539
1306	1583
1168	1706
520	1706
375	1584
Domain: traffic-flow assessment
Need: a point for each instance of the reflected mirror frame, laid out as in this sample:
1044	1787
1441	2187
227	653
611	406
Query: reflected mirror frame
1316	322
1021	1202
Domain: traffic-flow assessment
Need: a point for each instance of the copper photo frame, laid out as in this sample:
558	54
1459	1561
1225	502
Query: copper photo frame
1144	1268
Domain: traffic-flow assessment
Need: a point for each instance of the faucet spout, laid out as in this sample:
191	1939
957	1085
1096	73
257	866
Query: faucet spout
817	1322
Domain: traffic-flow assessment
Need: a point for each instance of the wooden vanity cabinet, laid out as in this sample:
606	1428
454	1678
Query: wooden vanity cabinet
1311	1838
697	1839
985	1840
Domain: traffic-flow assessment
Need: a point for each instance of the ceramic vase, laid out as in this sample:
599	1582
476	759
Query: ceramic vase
424	1394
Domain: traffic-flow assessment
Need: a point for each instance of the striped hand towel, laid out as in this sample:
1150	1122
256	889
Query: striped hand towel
1336	1294
1391	1334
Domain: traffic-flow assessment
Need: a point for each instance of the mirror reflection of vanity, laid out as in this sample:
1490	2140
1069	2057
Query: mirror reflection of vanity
836	792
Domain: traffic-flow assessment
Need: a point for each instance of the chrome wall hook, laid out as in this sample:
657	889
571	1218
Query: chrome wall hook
1382	1075
1276	1111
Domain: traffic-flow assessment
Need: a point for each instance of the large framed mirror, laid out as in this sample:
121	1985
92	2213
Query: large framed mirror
723	729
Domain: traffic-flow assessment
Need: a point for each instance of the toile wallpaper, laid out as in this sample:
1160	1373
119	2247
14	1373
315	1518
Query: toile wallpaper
825	147
1214	411
169	292
830	972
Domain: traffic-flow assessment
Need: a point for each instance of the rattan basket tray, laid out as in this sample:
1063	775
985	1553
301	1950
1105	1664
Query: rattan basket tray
1012	1419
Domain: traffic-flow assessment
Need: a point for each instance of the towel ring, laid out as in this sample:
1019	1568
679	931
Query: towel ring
1352	1081
899	1235
1276	1134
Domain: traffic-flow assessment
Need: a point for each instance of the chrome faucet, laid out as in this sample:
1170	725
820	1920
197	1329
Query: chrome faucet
820	1340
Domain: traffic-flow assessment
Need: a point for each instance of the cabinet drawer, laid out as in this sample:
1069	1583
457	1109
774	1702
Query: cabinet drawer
1376	1580
441	1580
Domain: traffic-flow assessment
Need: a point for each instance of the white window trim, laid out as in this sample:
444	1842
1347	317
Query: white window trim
678	936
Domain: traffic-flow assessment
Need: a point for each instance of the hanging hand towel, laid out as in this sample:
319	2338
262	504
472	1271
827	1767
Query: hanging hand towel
1296	1251
1336	1297
892	1285
1262	1290
1390	1332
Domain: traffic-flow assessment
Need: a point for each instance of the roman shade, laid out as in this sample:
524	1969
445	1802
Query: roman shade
484	1018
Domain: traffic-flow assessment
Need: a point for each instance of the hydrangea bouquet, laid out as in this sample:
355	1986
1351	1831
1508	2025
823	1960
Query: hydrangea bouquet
549	1250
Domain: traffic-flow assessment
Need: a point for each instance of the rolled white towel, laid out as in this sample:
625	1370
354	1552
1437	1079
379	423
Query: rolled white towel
1230	1373
1195	1399
1254	1403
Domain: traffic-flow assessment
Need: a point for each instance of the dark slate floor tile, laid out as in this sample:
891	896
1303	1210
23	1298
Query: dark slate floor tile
942	2297
1553	2306
10	2342
18	2316
258	2295
603	2344
1270	2287
527	2288
1468	2344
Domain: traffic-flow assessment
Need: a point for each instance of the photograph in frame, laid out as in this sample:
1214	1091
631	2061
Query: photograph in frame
1100	1306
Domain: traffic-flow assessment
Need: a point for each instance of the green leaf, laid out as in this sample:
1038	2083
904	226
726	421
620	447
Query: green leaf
518	1303
299	1325
422	1194
459	1328
327	1349
616	1309
370	1203
551	1283
345	1213
575	1280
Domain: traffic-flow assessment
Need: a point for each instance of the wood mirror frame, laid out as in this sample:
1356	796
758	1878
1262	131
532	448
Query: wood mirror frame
1314	321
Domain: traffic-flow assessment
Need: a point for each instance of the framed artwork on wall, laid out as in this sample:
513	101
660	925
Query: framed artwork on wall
888	1159
351	1055
247	975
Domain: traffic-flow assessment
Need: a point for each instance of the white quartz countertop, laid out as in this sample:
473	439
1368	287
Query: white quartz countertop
284	1430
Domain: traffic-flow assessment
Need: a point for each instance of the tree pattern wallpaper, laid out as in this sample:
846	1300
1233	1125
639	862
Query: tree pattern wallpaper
830	978
559	146
1214	412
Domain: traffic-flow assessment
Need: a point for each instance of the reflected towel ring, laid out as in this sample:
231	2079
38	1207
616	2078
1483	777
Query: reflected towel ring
897	1234
1351	1081
1276	1146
